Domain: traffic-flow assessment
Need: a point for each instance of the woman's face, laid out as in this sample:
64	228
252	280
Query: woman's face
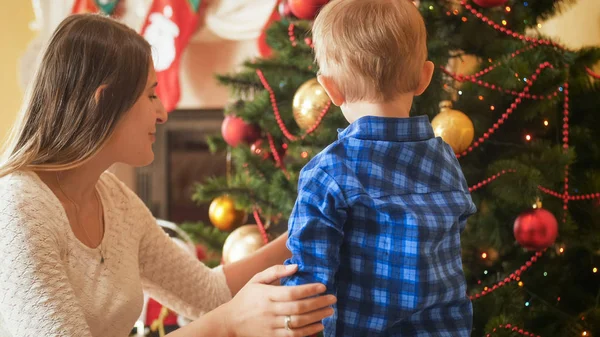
136	132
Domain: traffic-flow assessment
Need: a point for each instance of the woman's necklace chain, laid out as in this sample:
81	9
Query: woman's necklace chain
77	216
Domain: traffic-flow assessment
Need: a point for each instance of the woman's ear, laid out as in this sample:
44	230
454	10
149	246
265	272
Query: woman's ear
331	89
99	92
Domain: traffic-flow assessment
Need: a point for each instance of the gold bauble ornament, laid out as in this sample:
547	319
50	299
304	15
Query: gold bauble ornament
454	127
224	215
309	101
242	242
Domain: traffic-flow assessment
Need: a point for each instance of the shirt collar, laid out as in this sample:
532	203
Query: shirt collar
407	129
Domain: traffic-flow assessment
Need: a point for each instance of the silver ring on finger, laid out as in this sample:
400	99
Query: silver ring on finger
287	321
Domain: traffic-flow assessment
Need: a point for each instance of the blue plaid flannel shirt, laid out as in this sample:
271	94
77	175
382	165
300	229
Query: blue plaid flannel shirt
378	220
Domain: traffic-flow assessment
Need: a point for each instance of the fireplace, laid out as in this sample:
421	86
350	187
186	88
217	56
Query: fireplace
182	158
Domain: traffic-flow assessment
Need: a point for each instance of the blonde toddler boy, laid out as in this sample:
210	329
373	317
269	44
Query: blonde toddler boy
380	211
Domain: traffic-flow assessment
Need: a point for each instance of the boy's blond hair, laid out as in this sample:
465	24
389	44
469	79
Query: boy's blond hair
373	50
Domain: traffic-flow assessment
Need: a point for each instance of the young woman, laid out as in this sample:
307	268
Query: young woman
78	247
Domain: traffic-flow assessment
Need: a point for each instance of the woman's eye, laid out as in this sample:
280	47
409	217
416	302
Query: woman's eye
153	97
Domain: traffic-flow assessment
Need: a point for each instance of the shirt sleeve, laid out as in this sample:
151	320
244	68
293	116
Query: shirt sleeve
470	209
36	297
175	278
316	229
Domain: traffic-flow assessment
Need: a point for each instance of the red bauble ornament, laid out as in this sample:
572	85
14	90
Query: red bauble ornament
536	229
306	9
235	130
490	3
262	149
284	9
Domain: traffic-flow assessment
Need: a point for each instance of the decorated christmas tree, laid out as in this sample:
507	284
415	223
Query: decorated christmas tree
523	124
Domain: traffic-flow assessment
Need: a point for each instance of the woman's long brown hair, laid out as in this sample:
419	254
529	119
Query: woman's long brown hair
63	122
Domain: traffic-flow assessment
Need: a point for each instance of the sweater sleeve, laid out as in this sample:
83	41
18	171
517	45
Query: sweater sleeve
172	276
36	298
176	278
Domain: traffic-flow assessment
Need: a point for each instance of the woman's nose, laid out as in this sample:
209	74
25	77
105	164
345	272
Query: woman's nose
161	113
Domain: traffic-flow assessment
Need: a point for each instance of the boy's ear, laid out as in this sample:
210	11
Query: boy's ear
426	74
331	89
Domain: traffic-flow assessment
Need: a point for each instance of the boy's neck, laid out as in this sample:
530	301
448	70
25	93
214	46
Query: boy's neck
399	107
